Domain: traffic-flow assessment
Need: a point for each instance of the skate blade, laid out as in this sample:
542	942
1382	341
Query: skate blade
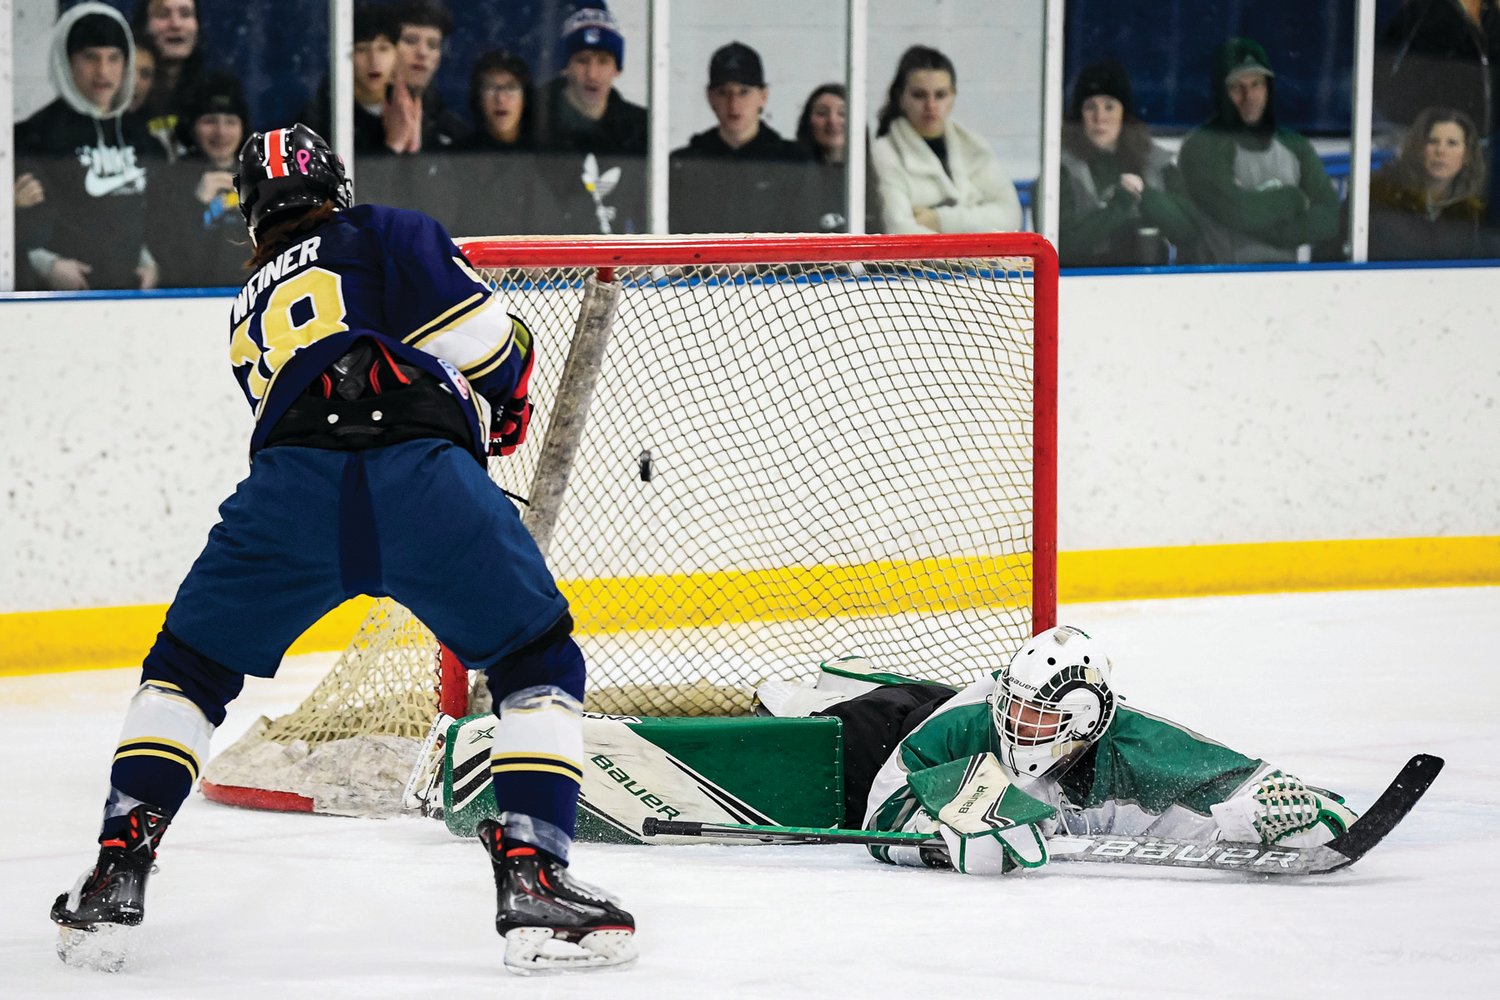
102	948
534	951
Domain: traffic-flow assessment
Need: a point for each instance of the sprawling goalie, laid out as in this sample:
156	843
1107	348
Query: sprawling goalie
1042	747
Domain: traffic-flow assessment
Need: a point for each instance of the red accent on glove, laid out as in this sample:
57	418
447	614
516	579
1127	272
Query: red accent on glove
514	415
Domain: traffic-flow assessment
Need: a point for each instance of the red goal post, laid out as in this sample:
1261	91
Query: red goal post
778	450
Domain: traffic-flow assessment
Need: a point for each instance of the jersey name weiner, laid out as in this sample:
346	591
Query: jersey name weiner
296	304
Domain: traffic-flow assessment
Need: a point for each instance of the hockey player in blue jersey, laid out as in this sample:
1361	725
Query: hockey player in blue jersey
382	372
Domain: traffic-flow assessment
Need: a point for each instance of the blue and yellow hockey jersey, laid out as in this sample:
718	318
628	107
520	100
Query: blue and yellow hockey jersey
388	274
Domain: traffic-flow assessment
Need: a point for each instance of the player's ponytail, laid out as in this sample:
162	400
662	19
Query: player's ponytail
287	230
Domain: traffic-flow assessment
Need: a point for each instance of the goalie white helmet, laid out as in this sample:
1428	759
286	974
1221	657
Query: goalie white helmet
1052	701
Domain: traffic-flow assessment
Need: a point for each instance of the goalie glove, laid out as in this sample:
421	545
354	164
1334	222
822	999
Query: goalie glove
513	416
1280	809
989	825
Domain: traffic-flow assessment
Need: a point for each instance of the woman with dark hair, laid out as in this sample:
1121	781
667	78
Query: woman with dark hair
1120	196
822	130
500	101
1428	203
935	175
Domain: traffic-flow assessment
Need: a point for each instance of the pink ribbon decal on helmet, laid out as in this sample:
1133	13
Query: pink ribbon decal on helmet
303	159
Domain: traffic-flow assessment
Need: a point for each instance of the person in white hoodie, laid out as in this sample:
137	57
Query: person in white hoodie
90	155
935	175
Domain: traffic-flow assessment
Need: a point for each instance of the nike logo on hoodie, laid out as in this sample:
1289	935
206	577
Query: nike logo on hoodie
111	170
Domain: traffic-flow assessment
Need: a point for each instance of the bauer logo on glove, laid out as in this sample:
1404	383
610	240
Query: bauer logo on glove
989	825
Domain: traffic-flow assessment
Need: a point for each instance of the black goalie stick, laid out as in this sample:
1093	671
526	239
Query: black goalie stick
1257	859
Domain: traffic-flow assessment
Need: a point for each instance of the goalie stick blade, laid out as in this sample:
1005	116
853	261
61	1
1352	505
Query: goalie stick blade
1404	791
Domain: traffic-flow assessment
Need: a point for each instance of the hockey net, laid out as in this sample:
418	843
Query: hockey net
793	448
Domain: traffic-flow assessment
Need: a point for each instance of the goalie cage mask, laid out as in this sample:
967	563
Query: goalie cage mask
285	169
1052	702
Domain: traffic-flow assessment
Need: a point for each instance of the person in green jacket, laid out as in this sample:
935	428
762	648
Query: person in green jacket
1260	188
1121	199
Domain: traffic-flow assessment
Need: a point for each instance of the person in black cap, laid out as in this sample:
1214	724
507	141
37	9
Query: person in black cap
194	226
741	176
1120	197
90	157
1260	188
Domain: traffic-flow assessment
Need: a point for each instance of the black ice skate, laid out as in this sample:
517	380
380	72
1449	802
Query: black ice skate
95	919
550	921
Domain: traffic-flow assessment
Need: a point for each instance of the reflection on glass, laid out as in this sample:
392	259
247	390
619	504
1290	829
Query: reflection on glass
1121	201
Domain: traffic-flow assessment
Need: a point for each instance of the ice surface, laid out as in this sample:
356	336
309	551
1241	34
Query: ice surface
1338	688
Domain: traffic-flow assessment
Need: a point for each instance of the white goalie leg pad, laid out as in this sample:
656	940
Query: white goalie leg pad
162	722
790	700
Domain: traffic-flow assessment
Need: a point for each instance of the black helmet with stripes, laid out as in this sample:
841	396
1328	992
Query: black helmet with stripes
285	169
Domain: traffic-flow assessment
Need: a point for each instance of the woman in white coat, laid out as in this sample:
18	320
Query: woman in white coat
935	175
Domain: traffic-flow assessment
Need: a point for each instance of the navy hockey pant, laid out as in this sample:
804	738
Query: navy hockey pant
420	522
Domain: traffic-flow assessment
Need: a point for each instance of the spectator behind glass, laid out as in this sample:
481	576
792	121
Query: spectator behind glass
595	140
500	103
498	158
194	225
1428	203
416	119
741	176
374	58
822	130
1260	189
145	70
582	111
172	25
89	156
935	175
1120	197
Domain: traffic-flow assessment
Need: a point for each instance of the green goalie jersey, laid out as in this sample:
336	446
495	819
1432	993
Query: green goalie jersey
1144	776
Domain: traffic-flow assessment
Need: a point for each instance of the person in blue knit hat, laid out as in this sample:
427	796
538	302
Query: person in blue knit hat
582	110
591	140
